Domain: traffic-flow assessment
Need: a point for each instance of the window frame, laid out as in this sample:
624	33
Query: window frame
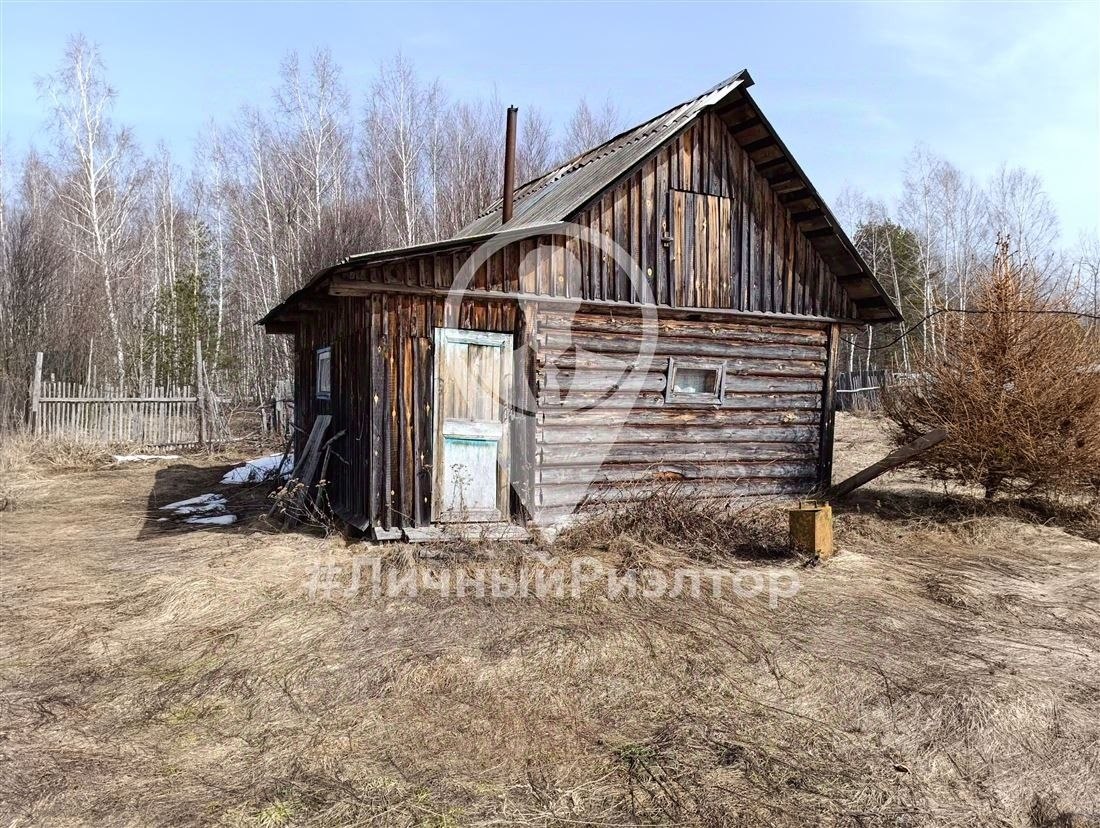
325	352
715	398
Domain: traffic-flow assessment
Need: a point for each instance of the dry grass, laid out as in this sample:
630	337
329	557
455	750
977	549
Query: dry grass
938	673
674	516
27	454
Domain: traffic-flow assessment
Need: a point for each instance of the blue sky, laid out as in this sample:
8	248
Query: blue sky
850	87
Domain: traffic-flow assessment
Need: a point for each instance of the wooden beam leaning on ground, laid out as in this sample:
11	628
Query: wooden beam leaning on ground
304	470
890	461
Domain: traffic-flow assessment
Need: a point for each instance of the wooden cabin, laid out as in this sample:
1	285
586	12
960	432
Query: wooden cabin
667	305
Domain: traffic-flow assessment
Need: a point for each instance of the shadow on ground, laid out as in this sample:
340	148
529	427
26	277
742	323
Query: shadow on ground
1077	518
248	502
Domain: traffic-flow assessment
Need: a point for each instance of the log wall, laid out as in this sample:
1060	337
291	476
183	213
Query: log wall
597	421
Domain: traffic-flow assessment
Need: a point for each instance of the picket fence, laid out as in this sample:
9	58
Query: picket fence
163	416
861	390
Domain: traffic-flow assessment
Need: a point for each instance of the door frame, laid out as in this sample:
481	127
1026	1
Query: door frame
504	341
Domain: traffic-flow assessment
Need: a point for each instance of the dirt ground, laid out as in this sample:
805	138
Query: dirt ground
942	670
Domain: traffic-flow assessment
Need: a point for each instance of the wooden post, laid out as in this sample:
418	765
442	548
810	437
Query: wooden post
828	409
199	396
36	395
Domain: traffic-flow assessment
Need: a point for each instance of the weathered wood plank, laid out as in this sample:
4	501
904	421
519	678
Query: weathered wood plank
564	455
551	495
672	471
658	435
713	417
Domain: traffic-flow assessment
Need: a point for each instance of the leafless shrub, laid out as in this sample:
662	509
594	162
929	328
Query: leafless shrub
1016	387
294	501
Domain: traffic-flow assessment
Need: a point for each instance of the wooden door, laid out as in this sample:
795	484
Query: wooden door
473	393
701	247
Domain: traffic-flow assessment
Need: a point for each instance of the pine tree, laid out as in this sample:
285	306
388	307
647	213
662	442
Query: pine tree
184	313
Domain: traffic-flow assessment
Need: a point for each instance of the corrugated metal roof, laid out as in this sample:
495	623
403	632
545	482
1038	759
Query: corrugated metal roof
559	193
556	196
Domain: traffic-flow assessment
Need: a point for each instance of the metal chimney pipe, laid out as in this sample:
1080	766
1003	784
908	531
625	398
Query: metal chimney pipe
509	167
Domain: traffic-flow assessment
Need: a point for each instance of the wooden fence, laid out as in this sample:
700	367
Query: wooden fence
279	414
154	416
861	390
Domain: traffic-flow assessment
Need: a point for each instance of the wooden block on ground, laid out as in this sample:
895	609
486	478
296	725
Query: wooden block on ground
812	529
470	531
379	534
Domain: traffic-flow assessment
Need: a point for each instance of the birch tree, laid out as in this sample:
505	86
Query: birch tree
398	127
101	173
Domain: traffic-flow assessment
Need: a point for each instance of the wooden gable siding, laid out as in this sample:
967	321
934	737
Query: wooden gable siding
756	259
767	436
382	397
748	256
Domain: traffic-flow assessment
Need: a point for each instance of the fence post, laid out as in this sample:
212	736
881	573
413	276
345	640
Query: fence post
36	394
199	396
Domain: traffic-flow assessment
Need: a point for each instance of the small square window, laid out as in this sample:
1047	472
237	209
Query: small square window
695	382
324	373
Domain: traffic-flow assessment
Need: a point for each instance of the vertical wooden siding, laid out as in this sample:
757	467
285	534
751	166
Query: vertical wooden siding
751	252
756	258
382	372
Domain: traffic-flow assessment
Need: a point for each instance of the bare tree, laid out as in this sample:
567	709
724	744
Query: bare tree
535	152
1085	277
100	177
36	310
589	127
1020	207
398	127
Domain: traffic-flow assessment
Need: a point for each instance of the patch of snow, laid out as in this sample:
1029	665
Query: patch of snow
206	509
204	502
262	468
216	508
136	458
217	520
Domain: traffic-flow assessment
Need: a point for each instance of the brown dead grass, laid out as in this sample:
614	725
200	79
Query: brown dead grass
674	517
22	453
938	673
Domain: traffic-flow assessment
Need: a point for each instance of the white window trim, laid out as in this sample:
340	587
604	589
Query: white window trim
673	397
326	351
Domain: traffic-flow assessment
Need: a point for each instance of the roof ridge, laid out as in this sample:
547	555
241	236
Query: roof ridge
637	133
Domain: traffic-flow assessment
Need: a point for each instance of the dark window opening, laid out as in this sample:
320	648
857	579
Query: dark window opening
324	373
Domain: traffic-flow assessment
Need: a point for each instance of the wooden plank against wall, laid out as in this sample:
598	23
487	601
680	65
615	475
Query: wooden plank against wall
828	409
376	408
